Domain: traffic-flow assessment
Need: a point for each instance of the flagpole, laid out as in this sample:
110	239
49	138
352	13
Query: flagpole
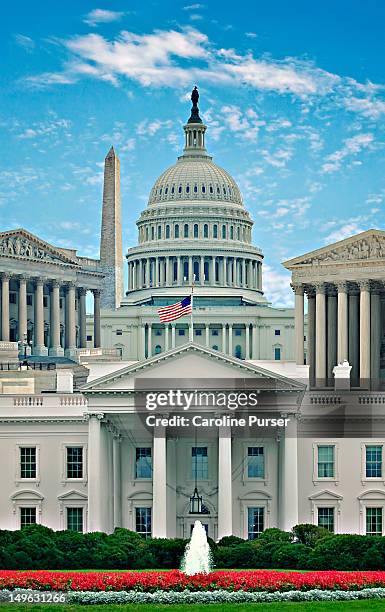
192	309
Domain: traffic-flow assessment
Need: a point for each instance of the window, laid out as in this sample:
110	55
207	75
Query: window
158	349
158	332
176	231
195	188
12	298
255	462
181	332
277	353
152	233
373	455
61	302
89	338
326	461
45	301
238	352
28	465
143	523
215	231
180	189
224	231
29	299
143	465
186	230
198	332
205	231
196	230
159	232
187	188
74	462
255	522
215	332
277	332
199	464
238	332
75	519
326	518
27	516
203	189
167	231
215	347
119	332
374	521
231	232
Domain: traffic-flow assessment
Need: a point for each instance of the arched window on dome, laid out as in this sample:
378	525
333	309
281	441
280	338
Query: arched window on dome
159	232
211	189
185	231
196	230
203	189
167	231
215	231
166	190
218	190
230	192
205	231
195	188
238	232
147	234
180	189
152	233
224	190
160	191
173	189
231	232
187	188
176	230
224	232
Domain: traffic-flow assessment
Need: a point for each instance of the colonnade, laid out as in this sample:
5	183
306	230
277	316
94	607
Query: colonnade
74	318
345	322
169	270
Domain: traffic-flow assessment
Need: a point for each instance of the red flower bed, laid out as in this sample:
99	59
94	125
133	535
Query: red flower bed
177	581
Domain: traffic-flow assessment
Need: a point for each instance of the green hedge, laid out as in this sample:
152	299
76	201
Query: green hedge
307	547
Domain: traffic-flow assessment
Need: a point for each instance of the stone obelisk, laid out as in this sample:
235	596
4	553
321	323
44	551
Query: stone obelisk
111	254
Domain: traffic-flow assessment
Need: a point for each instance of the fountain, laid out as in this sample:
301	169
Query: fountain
197	556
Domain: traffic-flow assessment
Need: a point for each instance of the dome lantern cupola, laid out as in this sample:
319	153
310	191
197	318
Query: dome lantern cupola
194	130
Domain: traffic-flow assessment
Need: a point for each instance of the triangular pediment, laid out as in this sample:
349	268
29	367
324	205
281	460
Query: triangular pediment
190	362
369	245
325	495
21	244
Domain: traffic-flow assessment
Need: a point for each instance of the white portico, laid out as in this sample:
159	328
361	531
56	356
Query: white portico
120	488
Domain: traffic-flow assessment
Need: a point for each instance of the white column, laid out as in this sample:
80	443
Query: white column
71	332
143	340
354	340
365	333
331	334
202	270
223	338
342	324
254	350
190	270
299	323
167	264
39	348
22	331
5	307
166	336
207	332
116	462
234	283
180	271
149	340
288	504
247	341
82	317
159	485
55	347
156	275
225	498
172	335
320	332
213	266
375	342
95	481
310	358
97	340
243	272
230	352
134	275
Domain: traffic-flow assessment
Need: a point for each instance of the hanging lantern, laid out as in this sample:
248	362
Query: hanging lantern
196	503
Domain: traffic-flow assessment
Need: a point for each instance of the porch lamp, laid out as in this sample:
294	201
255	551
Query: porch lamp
196	501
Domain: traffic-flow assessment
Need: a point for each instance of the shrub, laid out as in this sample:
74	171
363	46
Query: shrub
275	535
291	556
346	552
167	553
309	534
231	541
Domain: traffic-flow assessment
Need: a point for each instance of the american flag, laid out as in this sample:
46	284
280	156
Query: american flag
175	311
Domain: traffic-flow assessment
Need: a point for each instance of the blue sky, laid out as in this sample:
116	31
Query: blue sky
292	93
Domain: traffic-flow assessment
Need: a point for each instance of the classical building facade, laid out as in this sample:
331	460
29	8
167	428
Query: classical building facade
195	230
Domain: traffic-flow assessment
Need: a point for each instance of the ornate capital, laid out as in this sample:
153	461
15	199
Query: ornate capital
93	415
55	284
5	276
22	278
342	287
82	291
364	285
39	281
298	289
96	292
320	288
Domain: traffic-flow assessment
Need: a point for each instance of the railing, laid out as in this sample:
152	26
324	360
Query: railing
51	400
26	365
28	400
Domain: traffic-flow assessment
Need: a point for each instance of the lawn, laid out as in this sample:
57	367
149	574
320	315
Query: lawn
327	606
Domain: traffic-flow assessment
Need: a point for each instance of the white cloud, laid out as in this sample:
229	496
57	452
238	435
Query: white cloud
349	229
352	146
368	107
276	286
97	16
251	35
244	123
193	7
25	41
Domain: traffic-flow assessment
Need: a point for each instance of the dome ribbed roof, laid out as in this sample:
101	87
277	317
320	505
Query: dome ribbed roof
195	178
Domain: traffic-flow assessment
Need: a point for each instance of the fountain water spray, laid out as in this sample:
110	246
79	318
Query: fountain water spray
197	556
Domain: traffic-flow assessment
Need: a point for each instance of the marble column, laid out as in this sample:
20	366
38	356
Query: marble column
38	341
243	272
71	326
97	342
134	273
149	340
202	270
117	478
172	335
22	329
167	270
159	484
331	334
147	283
225	497
55	349
129	276
375	341
143	340
180	271
190	270
247	341
156	275
342	324
166	336
5	307
310	357
288	459
82	317
213	280
320	333
299	323
354	340
365	333
207	333
223	338
254	350
95	481
234	283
